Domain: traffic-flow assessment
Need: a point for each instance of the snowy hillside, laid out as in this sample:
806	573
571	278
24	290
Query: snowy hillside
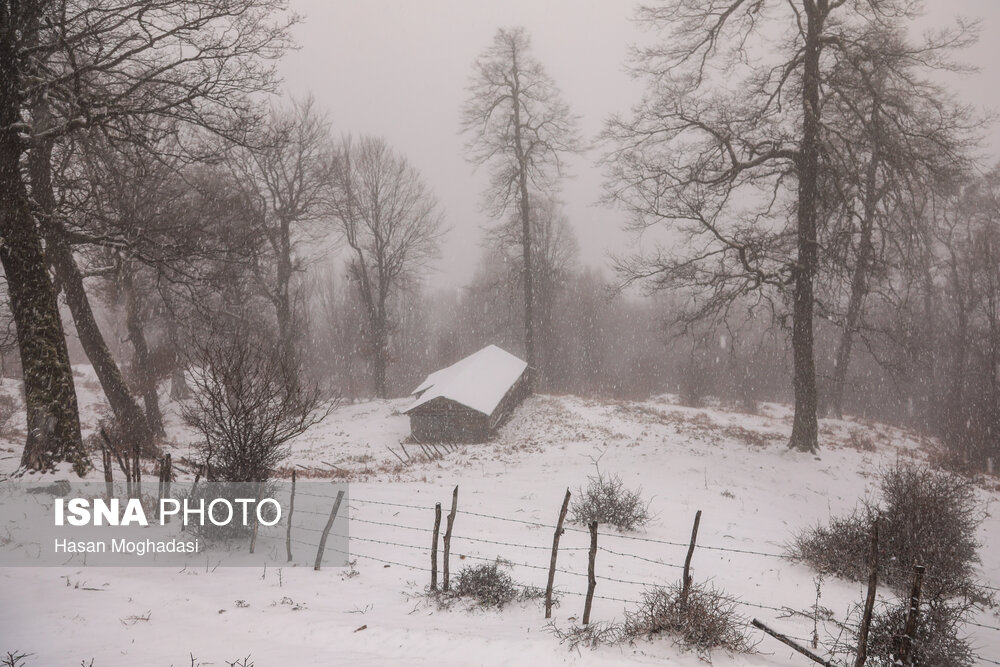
753	491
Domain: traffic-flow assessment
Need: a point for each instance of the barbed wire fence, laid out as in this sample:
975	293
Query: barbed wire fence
427	549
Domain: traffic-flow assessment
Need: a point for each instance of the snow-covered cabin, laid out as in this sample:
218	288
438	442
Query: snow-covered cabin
468	400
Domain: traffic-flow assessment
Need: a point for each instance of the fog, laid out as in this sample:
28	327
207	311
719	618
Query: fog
399	69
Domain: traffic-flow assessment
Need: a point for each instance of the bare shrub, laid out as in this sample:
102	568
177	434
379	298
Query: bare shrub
928	517
607	500
706	621
938	640
592	635
248	402
489	586
861	440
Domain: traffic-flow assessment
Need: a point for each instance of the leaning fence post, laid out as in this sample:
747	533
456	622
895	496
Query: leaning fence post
326	530
434	547
555	552
910	629
686	584
866	619
788	641
591	579
447	535
288	528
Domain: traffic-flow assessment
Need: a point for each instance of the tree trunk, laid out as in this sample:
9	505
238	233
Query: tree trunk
859	279
955	425
179	389
50	396
380	358
52	415
283	300
127	412
993	353
805	426
141	363
525	212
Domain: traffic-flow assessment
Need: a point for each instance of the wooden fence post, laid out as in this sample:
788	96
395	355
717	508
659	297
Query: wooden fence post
555	551
288	527
866	618
109	480
912	616
686	583
137	472
253	534
159	478
591	579
256	523
326	530
447	536
434	547
787	641
166	472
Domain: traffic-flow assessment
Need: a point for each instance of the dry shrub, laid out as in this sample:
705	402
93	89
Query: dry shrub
592	635
607	501
705	622
861	440
938	640
927	517
488	586
248	403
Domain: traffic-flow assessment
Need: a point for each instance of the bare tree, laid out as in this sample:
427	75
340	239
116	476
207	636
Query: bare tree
286	171
519	127
727	149
391	225
891	137
248	404
70	65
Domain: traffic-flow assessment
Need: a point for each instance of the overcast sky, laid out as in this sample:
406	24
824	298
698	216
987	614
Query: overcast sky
399	68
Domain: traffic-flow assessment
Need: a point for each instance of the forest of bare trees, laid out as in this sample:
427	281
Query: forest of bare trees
815	223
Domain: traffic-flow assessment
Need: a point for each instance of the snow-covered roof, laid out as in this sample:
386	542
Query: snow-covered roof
479	381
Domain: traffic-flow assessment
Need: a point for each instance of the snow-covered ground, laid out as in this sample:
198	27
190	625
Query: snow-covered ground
754	494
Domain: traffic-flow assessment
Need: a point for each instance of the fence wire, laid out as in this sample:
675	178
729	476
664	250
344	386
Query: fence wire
570	529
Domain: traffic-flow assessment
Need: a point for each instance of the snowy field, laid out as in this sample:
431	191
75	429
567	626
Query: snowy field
754	494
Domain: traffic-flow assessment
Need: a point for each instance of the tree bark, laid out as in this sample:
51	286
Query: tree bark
52	415
805	426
